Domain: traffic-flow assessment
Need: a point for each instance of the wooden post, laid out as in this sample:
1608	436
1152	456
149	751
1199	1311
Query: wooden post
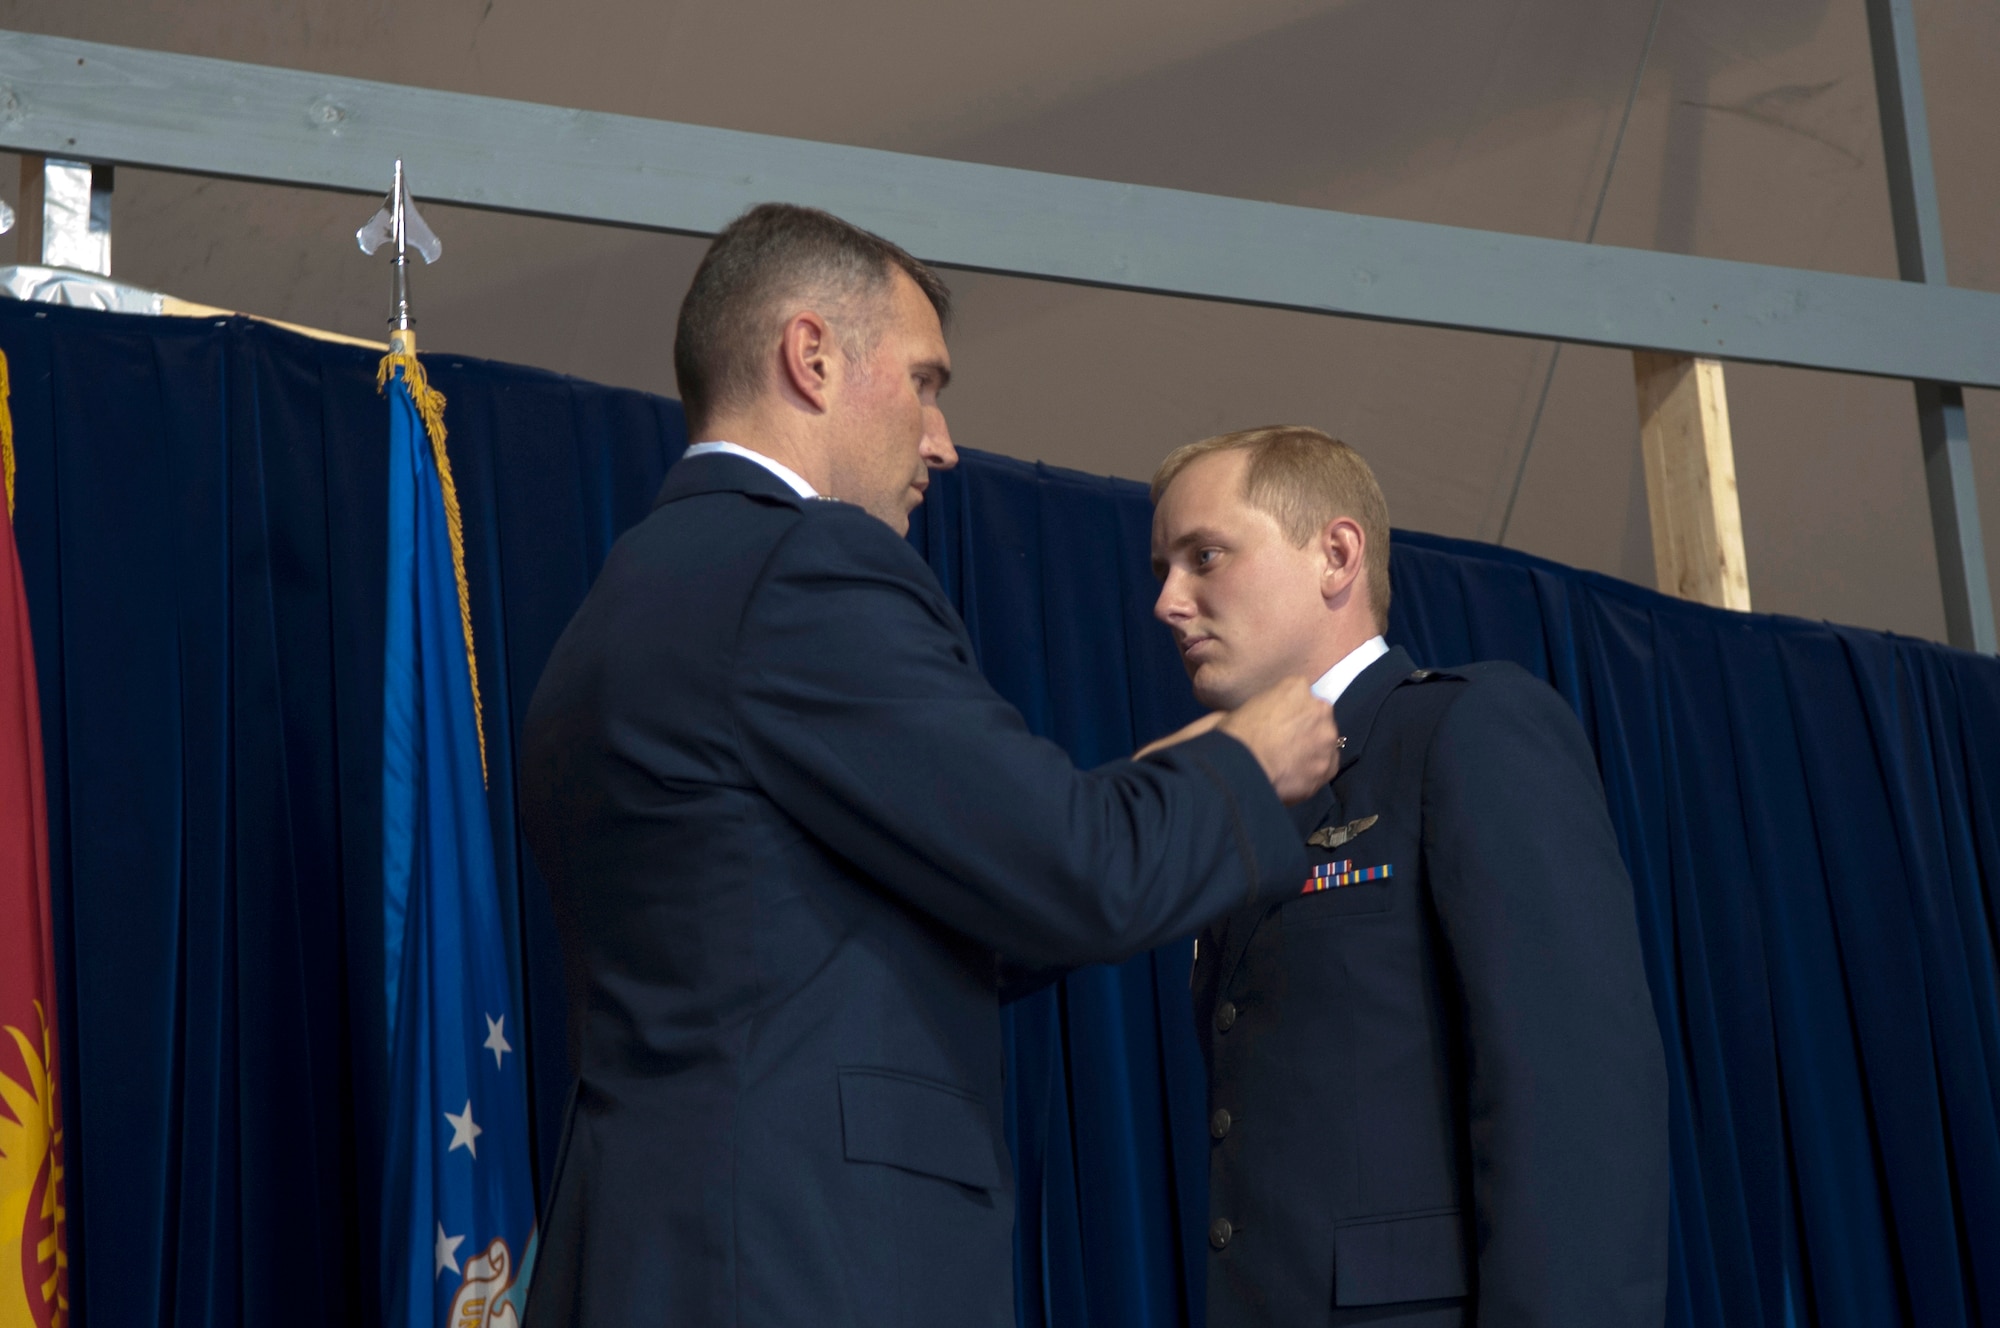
1691	479
28	216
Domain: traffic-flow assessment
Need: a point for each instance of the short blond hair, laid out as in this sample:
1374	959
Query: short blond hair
1303	479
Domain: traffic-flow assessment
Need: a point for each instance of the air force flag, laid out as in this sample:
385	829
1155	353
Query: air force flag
458	1203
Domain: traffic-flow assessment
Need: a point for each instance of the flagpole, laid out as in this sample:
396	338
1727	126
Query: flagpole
401	226
402	334
459	1240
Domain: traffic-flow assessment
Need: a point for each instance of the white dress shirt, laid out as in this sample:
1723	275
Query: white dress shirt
782	471
1334	681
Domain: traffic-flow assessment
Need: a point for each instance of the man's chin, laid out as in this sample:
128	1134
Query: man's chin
891	514
1211	692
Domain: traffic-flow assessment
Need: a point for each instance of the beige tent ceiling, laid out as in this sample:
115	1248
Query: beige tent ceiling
1754	136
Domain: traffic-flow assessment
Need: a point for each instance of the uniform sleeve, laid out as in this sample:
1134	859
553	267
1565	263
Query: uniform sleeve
1566	1079
862	715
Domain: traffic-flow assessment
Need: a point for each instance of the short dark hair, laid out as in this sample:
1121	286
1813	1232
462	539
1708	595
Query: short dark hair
773	253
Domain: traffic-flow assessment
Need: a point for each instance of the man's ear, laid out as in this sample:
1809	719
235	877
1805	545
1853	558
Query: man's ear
1343	547
805	358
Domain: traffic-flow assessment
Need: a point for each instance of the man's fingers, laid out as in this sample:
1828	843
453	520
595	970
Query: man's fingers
1200	726
1292	734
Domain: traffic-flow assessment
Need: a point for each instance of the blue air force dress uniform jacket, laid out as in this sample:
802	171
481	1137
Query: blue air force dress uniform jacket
1436	1086
787	826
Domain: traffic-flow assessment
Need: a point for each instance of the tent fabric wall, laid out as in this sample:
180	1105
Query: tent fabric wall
1811	815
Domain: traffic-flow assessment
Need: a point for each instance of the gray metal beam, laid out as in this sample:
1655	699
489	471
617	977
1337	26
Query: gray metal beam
213	117
1961	550
1913	206
1906	141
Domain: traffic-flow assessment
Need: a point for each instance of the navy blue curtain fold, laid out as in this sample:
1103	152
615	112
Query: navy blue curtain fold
1811	815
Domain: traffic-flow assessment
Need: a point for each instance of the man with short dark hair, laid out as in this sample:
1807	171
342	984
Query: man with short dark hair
1436	1090
789	830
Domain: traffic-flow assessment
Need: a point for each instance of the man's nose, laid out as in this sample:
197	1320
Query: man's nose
1171	605
936	450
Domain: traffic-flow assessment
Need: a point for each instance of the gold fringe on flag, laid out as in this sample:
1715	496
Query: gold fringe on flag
430	406
7	433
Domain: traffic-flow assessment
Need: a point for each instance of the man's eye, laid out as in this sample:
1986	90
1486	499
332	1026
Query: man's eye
1203	557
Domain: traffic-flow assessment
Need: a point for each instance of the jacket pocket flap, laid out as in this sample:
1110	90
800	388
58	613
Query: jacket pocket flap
1418	1257
919	1125
1322	906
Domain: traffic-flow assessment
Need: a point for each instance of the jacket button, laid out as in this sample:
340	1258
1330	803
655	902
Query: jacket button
1219	1123
1225	1016
1219	1232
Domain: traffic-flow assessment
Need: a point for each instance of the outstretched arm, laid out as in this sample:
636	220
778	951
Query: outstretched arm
863	716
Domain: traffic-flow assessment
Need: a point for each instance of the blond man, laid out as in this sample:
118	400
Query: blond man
1436	1086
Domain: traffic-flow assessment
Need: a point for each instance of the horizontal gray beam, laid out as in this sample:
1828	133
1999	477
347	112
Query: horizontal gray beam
214	117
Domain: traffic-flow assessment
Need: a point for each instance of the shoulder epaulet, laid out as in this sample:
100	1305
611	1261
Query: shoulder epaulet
1434	675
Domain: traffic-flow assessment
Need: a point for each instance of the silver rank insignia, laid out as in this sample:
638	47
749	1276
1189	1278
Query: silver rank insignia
1333	836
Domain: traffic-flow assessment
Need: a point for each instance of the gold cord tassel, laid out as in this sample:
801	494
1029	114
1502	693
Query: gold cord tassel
430	406
7	433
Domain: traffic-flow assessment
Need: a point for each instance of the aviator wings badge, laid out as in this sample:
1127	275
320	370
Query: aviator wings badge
1333	836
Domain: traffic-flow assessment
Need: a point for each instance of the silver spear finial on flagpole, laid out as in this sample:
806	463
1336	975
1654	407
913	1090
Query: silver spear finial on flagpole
399	221
400	320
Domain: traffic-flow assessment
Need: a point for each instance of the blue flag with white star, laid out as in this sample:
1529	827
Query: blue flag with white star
458	1204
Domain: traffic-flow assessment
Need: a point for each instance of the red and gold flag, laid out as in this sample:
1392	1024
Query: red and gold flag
34	1260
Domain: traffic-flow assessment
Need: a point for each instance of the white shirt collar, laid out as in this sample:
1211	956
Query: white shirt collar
1334	681
791	477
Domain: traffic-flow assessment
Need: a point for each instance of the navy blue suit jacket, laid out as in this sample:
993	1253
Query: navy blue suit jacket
1437	1096
789	830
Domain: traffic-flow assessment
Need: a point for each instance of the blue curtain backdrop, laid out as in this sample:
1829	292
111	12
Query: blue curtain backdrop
1811	815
